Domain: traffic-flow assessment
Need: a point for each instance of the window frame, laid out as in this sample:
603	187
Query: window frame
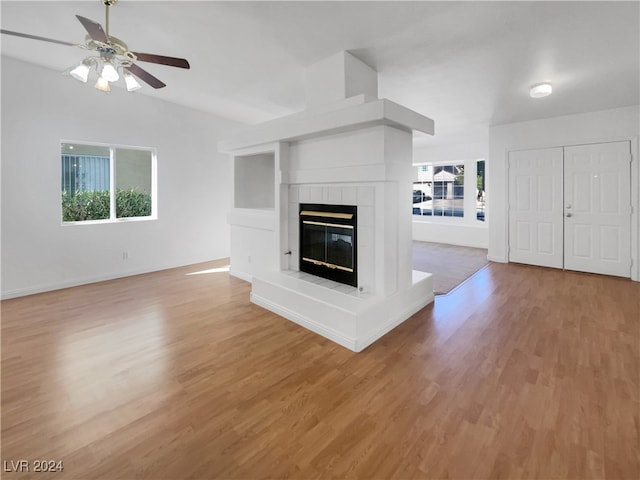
112	183
483	199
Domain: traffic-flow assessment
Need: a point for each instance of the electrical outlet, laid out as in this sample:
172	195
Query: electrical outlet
249	258
125	255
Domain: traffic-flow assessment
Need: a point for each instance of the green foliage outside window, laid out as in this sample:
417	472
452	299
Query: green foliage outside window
132	203
94	205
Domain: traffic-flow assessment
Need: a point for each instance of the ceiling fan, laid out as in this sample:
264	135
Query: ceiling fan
112	55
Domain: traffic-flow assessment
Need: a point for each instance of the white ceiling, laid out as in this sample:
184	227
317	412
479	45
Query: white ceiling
467	65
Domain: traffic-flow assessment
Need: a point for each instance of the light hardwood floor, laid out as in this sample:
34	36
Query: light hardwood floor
521	372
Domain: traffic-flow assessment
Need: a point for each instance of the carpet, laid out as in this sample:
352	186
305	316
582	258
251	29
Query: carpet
450	264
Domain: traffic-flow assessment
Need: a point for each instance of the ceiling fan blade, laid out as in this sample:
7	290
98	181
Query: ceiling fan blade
94	30
162	60
35	37
145	76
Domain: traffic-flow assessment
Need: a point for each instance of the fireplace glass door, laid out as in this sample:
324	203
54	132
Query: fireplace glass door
328	242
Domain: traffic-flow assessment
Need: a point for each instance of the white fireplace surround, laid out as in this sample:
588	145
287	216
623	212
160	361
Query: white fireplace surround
355	150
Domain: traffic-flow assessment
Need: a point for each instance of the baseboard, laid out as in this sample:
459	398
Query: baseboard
306	322
50	287
457	243
241	275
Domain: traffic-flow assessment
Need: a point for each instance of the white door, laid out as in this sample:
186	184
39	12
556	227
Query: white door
597	193
535	207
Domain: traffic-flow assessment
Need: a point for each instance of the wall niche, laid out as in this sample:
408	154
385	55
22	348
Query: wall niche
254	177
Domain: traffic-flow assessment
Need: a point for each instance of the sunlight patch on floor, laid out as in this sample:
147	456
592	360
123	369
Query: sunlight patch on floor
211	270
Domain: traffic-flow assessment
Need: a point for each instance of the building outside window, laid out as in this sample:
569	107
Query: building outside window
439	191
108	183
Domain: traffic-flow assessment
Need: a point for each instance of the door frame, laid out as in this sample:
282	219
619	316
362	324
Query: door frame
635	192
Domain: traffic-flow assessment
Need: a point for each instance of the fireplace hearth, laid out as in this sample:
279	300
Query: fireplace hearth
328	242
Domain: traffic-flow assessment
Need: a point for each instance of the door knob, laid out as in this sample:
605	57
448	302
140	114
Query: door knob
567	214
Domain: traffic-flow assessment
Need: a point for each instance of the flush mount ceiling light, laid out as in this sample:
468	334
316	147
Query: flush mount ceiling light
112	58
540	90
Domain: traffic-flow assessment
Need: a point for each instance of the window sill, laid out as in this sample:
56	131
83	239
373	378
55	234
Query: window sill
109	220
458	221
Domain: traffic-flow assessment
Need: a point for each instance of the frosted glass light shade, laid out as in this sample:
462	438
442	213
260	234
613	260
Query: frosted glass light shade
540	90
103	85
81	72
132	83
109	73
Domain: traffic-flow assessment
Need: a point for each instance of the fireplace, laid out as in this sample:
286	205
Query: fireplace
328	242
348	155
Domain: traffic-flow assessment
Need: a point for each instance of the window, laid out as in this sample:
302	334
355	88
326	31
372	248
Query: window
439	191
101	182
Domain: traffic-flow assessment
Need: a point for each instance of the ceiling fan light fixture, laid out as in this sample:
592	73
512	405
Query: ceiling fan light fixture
81	72
103	85
131	82
111	57
109	73
540	90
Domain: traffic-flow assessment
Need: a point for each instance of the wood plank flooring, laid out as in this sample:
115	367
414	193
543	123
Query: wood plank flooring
521	372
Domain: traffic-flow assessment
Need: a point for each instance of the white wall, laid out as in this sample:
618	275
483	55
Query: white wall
39	108
466	231
602	126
